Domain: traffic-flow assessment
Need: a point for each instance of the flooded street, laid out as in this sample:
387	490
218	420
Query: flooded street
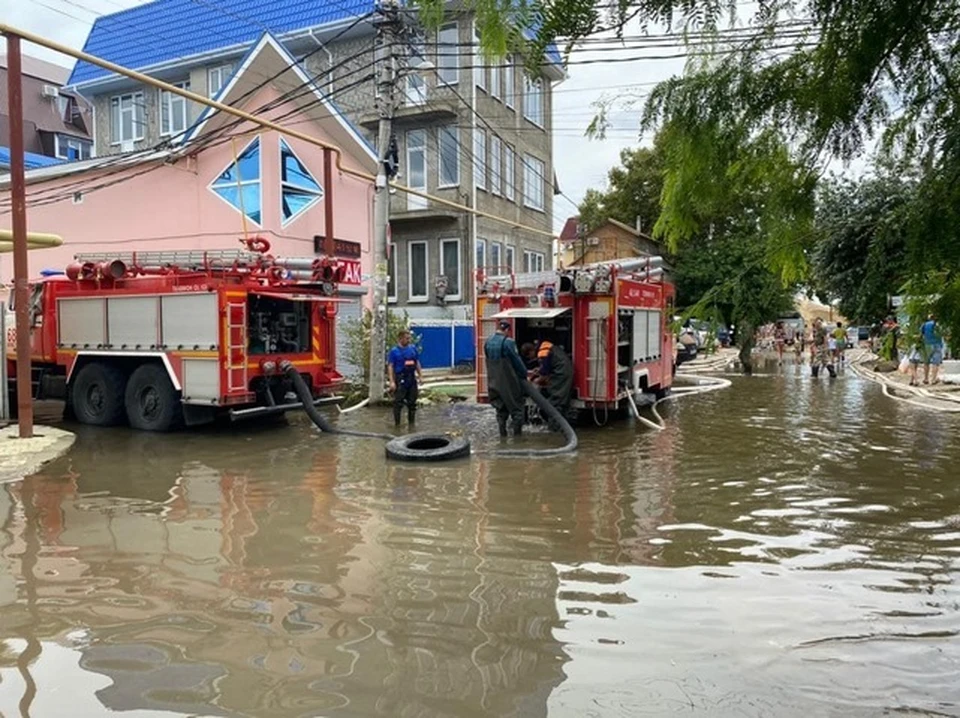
784	548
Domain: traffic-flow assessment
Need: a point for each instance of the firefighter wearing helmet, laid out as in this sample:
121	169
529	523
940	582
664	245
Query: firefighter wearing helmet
506	375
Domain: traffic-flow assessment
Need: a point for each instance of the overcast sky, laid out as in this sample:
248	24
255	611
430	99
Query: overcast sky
580	163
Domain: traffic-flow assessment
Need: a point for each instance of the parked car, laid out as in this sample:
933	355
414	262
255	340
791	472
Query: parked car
686	346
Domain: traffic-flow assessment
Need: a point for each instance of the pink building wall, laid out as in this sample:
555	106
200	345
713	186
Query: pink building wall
157	206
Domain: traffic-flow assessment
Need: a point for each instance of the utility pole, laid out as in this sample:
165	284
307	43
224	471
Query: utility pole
387	40
19	217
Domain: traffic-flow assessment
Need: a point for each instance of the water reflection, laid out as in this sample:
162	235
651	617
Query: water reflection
787	547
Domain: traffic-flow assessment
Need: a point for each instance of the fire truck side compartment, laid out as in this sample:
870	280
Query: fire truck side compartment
82	323
201	381
133	322
189	321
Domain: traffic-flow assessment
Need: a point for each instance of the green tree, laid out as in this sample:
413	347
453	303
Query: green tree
720	267
634	188
860	257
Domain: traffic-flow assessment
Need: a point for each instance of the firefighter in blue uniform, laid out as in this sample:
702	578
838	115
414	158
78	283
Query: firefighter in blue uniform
506	375
405	375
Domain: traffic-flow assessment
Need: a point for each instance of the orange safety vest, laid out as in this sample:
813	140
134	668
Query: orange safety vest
544	351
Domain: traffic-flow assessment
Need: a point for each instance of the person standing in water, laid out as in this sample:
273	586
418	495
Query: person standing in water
405	376
506	375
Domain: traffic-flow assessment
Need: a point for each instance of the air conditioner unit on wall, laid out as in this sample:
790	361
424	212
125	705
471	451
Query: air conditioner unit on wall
50	91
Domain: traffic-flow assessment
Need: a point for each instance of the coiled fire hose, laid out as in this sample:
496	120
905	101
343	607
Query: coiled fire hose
306	398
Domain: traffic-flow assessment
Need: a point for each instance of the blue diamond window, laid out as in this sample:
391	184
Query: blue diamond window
239	185
298	189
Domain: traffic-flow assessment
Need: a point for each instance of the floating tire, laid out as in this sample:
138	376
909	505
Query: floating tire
428	447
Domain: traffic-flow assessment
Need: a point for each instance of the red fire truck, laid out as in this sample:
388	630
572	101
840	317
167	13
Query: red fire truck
161	339
612	318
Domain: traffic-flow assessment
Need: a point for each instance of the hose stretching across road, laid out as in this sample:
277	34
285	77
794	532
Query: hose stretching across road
306	398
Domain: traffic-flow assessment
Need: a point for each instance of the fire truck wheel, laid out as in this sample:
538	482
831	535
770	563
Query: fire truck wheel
97	395
151	401
427	447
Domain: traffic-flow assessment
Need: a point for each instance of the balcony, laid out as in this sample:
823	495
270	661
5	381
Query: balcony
415	114
405	216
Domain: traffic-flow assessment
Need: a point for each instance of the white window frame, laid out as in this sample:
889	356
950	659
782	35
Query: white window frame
495	89
425	297
479	71
533	261
533	100
496	165
413	201
168	113
448	52
509	172
481	248
454	132
223	73
480	158
510	257
241	184
316	196
58	145
509	82
498	262
534	183
137	121
392	272
456	243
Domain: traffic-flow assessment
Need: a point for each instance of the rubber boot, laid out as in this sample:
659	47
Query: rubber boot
502	425
815	370
396	415
517	428
411	416
833	372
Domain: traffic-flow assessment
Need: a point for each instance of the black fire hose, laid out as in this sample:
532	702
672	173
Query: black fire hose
551	411
306	398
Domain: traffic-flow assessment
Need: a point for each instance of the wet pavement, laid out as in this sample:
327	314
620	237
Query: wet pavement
785	547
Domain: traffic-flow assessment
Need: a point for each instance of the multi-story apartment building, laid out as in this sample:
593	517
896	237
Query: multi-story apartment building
56	123
470	130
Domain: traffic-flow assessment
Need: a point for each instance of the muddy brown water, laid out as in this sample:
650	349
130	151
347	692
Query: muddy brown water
783	548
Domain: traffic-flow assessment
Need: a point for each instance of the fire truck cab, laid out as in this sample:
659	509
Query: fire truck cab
162	339
612	319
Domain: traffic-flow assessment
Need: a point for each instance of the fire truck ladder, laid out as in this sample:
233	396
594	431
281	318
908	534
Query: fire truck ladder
236	364
187	259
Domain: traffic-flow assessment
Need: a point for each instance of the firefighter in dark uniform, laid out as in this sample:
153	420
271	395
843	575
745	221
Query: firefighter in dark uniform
405	373
506	375
554	376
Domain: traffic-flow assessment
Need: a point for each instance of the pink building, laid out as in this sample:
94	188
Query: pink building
216	183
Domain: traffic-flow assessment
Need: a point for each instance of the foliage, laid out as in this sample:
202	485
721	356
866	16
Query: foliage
356	338
633	191
720	266
861	251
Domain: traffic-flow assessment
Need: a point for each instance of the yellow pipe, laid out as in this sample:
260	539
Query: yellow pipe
6	29
35	240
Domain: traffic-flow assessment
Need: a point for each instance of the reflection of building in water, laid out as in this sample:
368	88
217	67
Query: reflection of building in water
276	595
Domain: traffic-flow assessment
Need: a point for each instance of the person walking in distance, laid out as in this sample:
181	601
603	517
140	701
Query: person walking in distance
405	375
506	375
929	351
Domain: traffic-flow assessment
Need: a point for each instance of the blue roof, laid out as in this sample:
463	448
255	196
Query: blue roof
31	160
165	30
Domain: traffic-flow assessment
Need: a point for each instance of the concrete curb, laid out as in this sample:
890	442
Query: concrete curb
22	457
